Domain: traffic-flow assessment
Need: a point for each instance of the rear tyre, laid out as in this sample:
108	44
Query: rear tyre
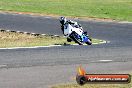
69	40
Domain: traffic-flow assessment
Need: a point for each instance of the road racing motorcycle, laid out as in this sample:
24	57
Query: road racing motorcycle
75	34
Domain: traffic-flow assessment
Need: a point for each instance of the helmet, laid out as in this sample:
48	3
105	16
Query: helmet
63	20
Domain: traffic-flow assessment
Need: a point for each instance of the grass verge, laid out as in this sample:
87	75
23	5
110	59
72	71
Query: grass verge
95	86
109	9
11	39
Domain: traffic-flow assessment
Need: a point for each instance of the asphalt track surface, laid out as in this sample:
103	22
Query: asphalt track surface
44	67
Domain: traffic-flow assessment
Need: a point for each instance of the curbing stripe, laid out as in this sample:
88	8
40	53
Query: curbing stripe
3	66
18	31
13	31
8	30
25	32
56	35
30	47
43	34
35	34
2	30
32	33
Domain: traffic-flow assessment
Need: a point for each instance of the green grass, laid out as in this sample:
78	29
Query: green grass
10	39
129	85
95	86
113	9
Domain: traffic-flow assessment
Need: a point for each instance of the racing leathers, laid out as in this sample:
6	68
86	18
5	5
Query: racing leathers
73	23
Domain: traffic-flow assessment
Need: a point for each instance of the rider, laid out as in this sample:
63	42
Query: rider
63	21
75	24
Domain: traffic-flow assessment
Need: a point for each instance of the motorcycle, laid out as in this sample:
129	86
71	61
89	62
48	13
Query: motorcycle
75	34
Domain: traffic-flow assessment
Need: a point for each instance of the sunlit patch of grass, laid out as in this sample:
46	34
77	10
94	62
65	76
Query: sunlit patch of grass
11	39
94	86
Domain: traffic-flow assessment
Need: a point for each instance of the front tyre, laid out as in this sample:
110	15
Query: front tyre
89	42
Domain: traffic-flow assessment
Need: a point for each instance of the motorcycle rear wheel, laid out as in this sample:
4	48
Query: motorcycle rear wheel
69	40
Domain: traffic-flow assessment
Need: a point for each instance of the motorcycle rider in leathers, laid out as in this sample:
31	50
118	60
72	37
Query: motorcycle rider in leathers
63	21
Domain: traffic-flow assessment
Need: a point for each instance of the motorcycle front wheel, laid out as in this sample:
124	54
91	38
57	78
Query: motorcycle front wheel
89	42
